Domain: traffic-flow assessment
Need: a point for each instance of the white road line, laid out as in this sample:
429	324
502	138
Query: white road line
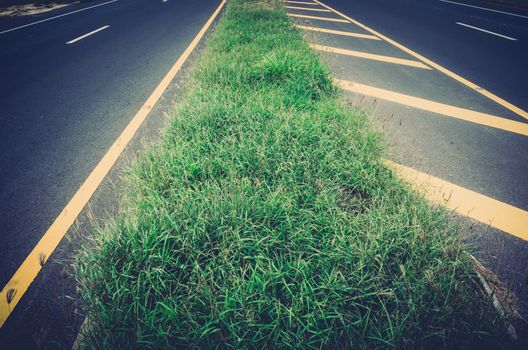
486	31
484	8
86	35
64	14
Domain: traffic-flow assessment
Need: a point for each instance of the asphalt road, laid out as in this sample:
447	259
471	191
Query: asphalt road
490	161
429	27
63	105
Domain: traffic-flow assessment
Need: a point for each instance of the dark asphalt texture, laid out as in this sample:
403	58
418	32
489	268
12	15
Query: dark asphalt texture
429	28
62	108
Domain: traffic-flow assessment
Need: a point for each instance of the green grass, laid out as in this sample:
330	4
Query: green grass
265	218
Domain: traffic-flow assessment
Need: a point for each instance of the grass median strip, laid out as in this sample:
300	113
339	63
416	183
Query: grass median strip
265	217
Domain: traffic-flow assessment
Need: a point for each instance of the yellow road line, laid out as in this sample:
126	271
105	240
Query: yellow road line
446	71
319	18
306	9
436	107
370	56
338	32
472	204
28	271
301	2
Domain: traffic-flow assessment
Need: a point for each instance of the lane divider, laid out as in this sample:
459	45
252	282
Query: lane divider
436	107
300	2
370	56
319	18
484	8
28	271
479	207
436	66
486	31
86	35
337	32
307	9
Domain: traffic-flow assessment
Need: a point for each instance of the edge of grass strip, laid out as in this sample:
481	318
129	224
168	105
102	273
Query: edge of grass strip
266	218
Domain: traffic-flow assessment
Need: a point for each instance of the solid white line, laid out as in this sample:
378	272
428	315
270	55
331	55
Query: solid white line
86	35
486	31
484	8
49	19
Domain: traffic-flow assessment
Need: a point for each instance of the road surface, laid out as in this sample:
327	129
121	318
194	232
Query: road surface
72	79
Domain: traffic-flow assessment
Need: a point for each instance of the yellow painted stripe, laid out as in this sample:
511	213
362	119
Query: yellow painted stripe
370	56
338	32
439	108
28	271
306	9
319	18
301	2
484	209
427	61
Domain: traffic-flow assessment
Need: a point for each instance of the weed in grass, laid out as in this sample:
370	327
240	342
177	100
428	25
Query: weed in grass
265	218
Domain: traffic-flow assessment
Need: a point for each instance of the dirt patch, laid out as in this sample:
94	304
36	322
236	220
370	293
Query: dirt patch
30	9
